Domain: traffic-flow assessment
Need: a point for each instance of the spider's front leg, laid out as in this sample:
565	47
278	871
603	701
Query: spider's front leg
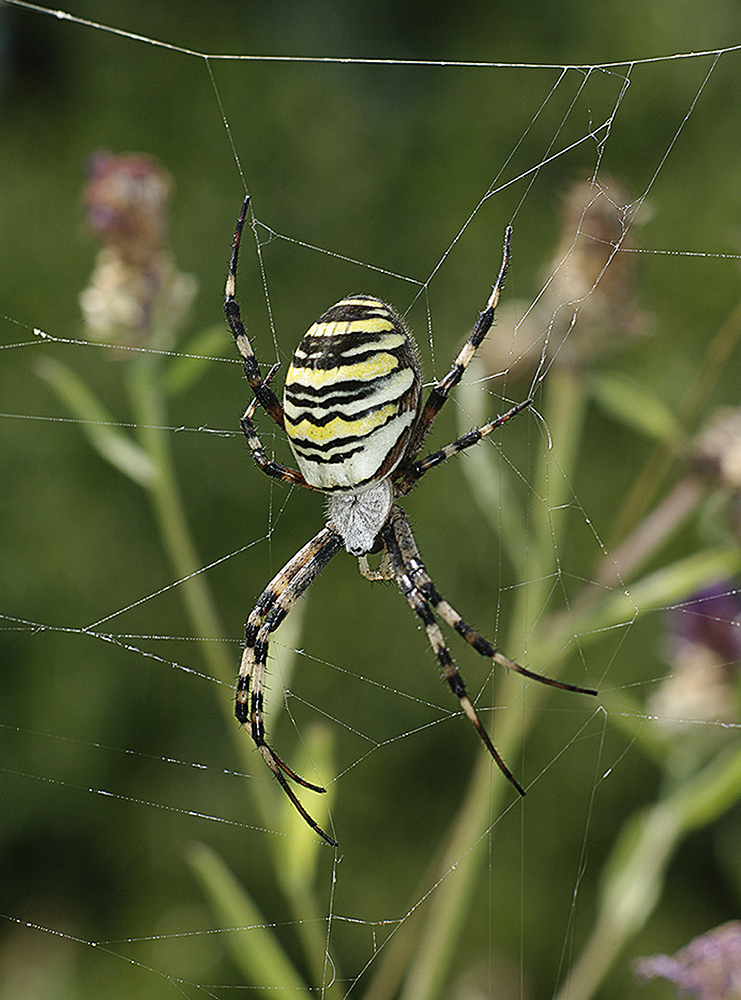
439	394
423	582
272	607
264	395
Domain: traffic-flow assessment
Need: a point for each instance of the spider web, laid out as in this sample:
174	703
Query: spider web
145	848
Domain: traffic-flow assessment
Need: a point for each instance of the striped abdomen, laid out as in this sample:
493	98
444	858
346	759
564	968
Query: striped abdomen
352	395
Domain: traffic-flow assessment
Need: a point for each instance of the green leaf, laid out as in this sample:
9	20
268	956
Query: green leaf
674	583
656	591
97	423
196	358
491	481
299	851
255	948
635	405
635	873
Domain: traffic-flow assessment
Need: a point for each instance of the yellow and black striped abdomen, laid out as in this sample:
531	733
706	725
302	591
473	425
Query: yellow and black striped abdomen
352	395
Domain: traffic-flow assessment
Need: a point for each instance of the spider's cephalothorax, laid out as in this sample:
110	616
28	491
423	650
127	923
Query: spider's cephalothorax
351	411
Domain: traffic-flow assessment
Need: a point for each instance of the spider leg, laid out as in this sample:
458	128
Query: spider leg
396	535
466	441
442	390
422	581
272	607
384	572
422	595
263	393
273	469
251	410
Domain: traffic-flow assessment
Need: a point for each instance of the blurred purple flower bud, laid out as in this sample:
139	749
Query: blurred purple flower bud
135	291
708	968
704	653
711	618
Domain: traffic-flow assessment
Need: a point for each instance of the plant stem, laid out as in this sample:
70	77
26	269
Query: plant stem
637	868
462	856
151	419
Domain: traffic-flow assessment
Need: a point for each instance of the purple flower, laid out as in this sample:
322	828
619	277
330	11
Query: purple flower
704	652
711	618
708	968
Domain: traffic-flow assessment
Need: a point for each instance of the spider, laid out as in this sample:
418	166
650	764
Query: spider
354	419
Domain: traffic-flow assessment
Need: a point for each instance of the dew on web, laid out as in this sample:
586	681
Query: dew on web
594	539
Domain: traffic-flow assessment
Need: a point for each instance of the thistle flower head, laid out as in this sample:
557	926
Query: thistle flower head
135	293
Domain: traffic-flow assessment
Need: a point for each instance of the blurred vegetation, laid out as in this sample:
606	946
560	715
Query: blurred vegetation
105	504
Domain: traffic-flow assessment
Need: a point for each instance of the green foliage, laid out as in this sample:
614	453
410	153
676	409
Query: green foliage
568	537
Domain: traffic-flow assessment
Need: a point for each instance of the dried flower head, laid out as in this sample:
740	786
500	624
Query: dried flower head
716	455
717	451
591	292
587	302
135	291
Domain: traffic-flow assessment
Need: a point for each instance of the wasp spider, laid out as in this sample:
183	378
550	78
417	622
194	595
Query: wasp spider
354	419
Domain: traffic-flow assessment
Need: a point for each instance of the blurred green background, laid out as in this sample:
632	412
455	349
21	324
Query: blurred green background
382	165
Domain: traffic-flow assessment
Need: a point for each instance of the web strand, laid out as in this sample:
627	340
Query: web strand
137	736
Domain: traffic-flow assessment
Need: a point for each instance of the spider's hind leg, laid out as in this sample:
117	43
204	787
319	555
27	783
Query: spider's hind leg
426	602
422	581
398	538
272	607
